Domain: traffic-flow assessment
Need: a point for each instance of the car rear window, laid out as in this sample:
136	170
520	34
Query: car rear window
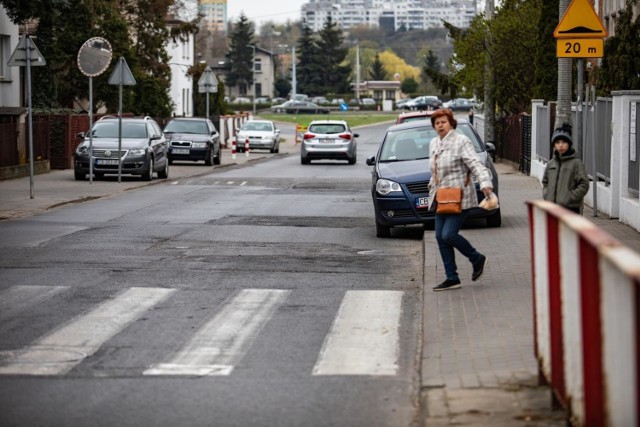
257	126
110	130
327	128
186	126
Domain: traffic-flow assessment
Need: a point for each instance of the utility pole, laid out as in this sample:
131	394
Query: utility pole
253	76
565	82
489	97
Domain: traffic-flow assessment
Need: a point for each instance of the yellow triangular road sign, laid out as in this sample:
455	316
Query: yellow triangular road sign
580	20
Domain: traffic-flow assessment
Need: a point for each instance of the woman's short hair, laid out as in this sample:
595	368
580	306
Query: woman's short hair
443	112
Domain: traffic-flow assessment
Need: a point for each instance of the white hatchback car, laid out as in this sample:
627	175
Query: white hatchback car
261	134
328	139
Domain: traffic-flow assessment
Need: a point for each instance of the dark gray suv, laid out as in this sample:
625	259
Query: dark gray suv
143	149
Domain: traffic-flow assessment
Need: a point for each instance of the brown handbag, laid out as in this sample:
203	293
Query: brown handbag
448	199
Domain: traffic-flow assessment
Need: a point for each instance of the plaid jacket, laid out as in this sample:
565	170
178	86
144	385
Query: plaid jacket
455	156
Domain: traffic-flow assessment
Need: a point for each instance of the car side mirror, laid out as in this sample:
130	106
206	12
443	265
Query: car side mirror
155	137
370	161
491	149
80	135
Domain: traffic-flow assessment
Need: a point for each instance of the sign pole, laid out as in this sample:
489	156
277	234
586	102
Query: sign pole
29	113
579	109
90	130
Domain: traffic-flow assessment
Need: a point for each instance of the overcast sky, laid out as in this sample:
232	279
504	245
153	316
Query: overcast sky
259	11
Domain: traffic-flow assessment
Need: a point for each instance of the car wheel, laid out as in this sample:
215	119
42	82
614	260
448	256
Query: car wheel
170	161
273	148
209	160
352	160
217	159
431	225
79	176
164	173
148	174
382	230
495	219
304	160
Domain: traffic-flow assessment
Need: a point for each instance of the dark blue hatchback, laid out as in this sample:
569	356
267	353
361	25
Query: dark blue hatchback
401	174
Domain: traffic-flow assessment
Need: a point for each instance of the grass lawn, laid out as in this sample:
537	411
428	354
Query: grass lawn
354	118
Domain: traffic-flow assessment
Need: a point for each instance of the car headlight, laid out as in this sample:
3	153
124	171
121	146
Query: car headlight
82	149
137	152
198	144
385	186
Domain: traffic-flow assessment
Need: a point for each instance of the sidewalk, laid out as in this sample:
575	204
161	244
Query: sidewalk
58	187
478	364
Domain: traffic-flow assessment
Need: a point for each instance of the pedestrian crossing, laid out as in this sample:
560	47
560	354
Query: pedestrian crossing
362	340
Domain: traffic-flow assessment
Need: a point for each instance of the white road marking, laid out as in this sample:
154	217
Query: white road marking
364	337
19	298
243	183
58	352
223	341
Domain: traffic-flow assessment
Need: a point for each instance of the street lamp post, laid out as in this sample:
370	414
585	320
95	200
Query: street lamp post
253	76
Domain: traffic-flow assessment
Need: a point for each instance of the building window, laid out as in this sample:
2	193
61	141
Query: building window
258	65
258	89
390	94
4	57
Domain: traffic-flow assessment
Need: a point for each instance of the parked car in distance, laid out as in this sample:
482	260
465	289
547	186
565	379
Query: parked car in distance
241	100
277	100
401	175
338	101
144	149
401	103
410	116
367	101
328	139
299	107
262	100
459	104
320	100
426	102
261	134
193	139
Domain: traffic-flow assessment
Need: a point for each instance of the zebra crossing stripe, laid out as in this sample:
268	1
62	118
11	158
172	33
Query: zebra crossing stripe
58	352
18	298
364	338
223	341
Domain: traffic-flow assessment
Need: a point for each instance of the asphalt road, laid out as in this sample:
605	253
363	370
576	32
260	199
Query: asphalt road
255	295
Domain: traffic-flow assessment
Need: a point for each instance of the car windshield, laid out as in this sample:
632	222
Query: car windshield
186	126
326	128
257	126
413	143
110	130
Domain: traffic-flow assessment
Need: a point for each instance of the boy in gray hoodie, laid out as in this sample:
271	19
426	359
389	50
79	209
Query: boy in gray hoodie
565	179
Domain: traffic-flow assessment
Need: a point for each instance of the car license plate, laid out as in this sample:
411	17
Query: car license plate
108	162
326	141
179	151
422	202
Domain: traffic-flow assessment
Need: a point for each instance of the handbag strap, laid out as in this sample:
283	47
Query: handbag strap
435	172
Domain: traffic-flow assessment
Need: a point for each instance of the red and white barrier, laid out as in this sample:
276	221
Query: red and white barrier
233	148
586	288
246	147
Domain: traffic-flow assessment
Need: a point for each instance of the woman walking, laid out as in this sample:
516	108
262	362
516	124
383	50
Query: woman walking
453	162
